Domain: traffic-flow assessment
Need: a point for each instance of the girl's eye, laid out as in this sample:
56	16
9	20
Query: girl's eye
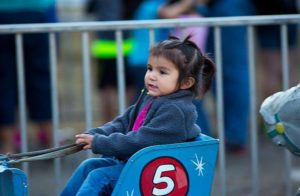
163	72
149	68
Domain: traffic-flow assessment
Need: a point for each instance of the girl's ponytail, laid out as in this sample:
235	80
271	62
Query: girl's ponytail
207	74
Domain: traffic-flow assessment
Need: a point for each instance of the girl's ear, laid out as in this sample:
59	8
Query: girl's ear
187	83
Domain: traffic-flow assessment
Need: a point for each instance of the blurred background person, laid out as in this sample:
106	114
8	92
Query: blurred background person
186	9
189	9
270	45
36	68
104	49
234	70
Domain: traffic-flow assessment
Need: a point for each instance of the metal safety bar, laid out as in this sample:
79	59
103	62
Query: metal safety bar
149	24
253	112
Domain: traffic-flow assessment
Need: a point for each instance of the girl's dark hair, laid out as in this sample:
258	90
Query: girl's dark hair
189	60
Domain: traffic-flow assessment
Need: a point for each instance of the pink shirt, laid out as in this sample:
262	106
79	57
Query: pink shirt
141	117
199	34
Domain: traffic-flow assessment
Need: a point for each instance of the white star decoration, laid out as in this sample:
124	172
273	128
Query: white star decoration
199	165
129	194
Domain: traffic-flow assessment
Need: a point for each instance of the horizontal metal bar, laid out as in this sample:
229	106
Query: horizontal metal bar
138	24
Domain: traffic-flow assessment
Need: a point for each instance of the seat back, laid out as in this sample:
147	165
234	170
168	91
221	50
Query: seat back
173	169
13	182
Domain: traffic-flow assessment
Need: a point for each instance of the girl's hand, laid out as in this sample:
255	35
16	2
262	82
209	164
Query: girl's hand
84	139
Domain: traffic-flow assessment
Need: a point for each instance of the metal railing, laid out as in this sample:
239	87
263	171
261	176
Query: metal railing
85	28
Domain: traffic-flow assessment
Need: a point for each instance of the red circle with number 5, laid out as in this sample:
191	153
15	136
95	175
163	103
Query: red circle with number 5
164	176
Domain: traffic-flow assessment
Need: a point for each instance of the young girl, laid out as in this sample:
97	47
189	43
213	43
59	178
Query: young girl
177	72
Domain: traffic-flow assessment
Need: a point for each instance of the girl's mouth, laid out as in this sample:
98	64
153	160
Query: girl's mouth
152	87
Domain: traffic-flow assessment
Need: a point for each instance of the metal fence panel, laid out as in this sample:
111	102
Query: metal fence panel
85	28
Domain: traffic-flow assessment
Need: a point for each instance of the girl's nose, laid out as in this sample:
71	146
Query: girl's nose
152	76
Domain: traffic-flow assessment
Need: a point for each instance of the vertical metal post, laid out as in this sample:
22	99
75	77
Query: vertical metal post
120	72
87	81
284	53
253	113
87	87
22	96
285	74
55	110
220	108
151	37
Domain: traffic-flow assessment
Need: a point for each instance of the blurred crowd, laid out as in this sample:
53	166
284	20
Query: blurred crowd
136	44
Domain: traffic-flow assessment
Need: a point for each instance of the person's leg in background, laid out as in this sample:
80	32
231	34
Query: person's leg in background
38	82
37	77
107	87
271	58
236	87
235	71
138	73
129	83
7	141
105	50
8	90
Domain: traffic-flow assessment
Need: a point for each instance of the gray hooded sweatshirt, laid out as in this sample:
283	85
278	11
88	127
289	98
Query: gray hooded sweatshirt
170	119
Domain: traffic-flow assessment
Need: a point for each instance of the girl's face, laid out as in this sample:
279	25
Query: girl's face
161	77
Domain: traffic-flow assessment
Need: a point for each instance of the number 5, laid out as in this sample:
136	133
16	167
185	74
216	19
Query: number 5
158	178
